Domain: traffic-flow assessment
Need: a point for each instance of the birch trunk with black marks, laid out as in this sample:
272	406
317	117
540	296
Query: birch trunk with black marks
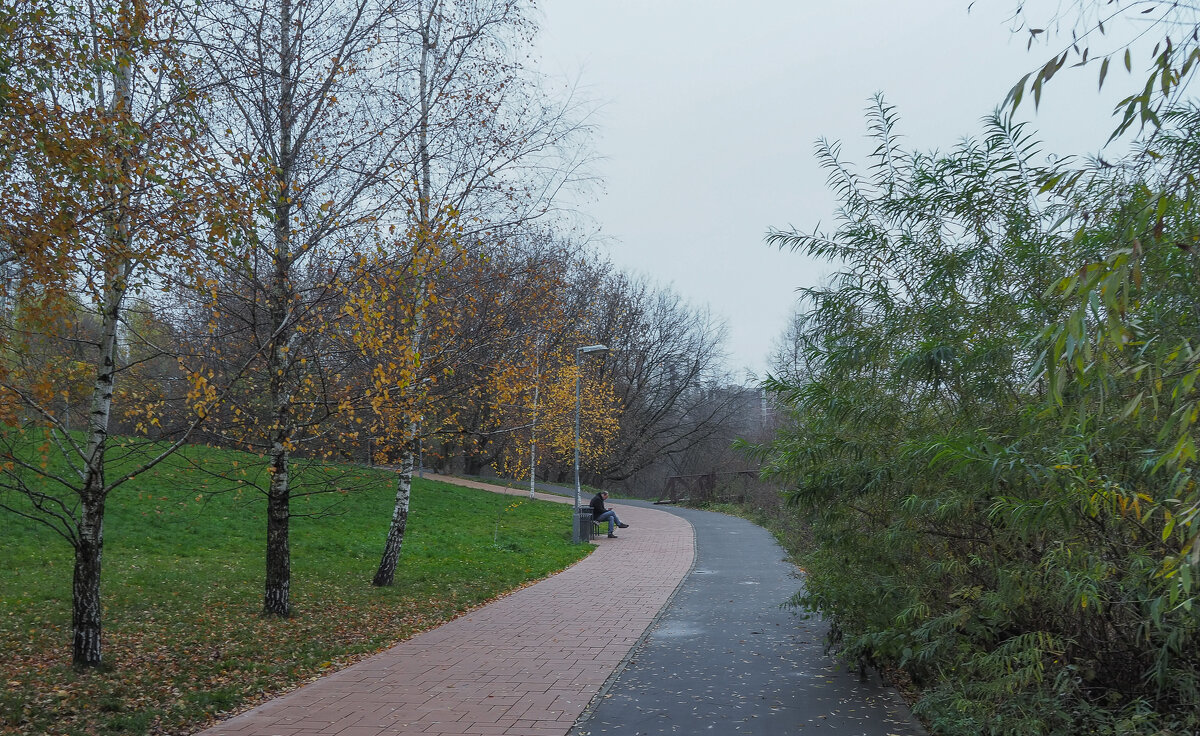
386	573
89	543
86	612
86	618
276	595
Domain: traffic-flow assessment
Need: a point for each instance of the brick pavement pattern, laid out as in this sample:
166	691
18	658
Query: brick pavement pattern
525	665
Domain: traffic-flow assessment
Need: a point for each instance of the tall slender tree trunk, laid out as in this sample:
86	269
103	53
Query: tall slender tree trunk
533	436
386	573
276	595
89	547
276	598
86	612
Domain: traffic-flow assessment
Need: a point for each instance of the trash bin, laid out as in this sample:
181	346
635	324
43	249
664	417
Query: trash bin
582	531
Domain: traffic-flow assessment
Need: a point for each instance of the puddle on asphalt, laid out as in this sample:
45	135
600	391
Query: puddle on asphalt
677	629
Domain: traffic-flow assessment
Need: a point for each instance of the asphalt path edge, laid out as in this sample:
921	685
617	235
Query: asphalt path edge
586	715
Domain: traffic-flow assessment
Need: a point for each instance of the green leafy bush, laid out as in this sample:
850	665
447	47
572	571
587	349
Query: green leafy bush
992	430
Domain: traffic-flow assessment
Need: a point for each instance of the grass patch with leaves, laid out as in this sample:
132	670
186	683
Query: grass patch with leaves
182	591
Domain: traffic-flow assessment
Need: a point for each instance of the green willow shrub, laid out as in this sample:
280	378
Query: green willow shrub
992	434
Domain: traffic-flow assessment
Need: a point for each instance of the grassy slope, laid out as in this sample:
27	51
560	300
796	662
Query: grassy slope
182	590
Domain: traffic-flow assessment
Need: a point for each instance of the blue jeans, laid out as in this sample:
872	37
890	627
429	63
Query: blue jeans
611	517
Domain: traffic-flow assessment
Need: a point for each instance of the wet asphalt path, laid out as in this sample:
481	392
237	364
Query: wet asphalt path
726	658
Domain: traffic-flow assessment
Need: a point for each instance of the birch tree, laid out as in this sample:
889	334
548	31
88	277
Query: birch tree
308	115
490	152
99	120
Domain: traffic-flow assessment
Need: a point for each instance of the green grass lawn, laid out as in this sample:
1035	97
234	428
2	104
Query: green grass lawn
182	590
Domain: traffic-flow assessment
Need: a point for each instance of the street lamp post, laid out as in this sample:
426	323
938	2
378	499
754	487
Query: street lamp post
577	532
533	443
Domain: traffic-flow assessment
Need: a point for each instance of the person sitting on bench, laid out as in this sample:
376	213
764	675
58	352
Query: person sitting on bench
599	513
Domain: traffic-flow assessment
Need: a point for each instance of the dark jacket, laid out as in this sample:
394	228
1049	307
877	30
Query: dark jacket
597	506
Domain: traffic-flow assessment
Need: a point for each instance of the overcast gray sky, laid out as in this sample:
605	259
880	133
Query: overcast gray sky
711	109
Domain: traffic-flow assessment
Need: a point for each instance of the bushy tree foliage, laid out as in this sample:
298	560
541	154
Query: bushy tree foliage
521	366
1111	35
991	430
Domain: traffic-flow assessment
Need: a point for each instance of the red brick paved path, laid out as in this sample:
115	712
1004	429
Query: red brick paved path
525	665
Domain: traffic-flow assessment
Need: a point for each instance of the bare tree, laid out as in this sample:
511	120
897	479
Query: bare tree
667	367
313	128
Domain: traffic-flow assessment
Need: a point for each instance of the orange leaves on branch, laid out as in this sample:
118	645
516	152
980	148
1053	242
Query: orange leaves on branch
552	427
390	303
